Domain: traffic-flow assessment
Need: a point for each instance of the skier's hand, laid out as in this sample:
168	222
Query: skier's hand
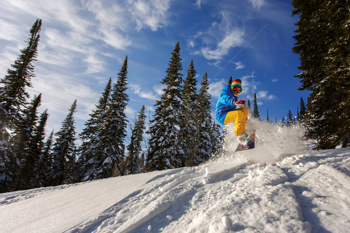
239	102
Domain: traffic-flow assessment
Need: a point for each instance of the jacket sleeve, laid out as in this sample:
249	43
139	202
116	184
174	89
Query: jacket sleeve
227	97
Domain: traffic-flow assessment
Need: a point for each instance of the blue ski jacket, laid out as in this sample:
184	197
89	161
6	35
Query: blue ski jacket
224	104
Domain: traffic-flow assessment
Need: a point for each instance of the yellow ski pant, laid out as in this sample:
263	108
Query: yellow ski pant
239	116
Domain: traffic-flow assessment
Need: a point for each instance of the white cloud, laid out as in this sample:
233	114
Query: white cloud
261	94
199	3
138	91
112	22
215	88
239	65
190	43
264	95
150	13
11	32
58	93
94	63
220	38
230	40
257	3
159	89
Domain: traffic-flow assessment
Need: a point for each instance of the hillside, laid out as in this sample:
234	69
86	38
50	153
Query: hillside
281	186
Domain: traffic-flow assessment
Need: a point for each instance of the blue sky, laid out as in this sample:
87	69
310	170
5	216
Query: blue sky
84	43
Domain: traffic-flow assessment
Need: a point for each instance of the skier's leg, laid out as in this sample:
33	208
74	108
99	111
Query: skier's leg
242	117
239	116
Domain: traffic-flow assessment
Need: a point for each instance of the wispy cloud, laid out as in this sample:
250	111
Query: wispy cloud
220	38
215	88
199	3
263	95
138	91
230	40
257	3
77	37
150	13
159	89
111	23
239	65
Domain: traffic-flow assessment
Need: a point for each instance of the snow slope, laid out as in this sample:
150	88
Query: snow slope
281	186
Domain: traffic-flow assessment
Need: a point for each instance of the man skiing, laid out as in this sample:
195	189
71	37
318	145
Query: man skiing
229	109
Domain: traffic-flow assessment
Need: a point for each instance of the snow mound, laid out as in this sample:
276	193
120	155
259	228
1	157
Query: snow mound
280	186
300	193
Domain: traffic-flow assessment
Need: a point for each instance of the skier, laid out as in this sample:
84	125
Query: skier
229	109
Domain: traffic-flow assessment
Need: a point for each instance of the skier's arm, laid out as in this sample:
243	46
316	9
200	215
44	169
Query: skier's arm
226	97
227	100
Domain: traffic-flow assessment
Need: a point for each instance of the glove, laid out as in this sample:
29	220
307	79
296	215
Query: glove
239	102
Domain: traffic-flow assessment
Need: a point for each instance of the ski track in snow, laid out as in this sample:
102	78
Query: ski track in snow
280	186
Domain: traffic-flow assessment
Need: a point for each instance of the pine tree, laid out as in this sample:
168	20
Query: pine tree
64	149
90	136
12	98
36	143
283	122
216	138
44	165
110	147
255	109
249	106
298	115
302	112
207	141
135	147
164	130
23	135
290	119
188	139
267	116
142	163
322	40
36	146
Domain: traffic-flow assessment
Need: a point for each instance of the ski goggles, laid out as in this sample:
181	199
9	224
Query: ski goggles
236	89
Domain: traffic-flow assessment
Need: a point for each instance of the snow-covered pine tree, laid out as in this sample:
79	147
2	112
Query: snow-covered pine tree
90	136
142	163
44	165
255	108
302	112
164	150
322	41
13	97
64	150
23	135
110	148
36	145
217	138
205	130
188	138
283	122
135	147
290	119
